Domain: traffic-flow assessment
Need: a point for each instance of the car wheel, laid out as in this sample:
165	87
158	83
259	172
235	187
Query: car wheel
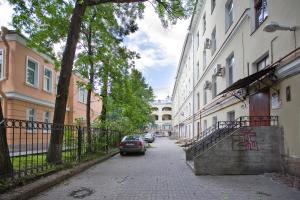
122	153
143	153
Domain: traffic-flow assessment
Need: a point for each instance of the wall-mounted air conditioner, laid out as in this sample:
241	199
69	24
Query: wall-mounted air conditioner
241	93
219	70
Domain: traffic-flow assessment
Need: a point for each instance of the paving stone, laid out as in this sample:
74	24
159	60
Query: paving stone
162	174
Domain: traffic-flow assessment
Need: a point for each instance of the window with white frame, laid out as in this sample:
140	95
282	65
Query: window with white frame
214	121
30	117
198	70
198	101
56	82
228	14
82	95
204	124
261	11
46	117
1	63
198	40
47	79
204	23
214	86
47	120
230	69
204	96
213	41
204	60
32	72
213	5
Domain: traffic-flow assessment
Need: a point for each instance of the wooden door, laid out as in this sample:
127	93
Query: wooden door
259	108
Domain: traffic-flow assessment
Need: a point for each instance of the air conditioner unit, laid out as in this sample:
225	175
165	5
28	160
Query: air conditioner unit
241	93
207	43
207	85
219	70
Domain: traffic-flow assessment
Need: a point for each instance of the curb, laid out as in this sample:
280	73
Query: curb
27	191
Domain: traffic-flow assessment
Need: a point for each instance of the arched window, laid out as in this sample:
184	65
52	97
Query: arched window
154	108
155	117
166	117
167	109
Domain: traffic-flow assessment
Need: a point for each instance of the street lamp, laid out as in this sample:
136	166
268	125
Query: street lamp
274	26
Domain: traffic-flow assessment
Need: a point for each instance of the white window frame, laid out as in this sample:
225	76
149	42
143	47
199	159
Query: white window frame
2	64
45	117
80	90
56	82
214	91
213	41
36	76
46	127
204	23
51	80
228	64
28	116
229	12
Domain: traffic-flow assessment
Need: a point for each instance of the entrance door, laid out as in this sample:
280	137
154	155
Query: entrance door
259	108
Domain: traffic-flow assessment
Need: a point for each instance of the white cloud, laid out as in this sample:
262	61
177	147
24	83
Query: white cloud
165	46
6	14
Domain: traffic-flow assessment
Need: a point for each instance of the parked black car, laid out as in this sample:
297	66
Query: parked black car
132	143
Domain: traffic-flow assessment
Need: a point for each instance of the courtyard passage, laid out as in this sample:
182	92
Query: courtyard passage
162	174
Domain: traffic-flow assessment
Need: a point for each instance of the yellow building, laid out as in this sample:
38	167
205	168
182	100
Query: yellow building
241	58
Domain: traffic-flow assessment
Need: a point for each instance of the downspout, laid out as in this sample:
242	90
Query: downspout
4	32
193	89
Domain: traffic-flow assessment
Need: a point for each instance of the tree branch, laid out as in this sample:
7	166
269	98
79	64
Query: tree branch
97	2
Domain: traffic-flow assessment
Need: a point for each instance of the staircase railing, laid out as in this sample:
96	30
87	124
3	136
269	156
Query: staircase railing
224	128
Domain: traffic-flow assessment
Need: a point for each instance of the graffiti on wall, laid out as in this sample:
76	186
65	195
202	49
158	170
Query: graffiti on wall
245	140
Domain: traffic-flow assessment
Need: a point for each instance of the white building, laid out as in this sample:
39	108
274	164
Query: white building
162	113
230	45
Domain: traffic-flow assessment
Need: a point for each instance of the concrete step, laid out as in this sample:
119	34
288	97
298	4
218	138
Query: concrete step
190	163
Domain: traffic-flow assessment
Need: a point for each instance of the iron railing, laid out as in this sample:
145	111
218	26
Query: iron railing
28	143
223	128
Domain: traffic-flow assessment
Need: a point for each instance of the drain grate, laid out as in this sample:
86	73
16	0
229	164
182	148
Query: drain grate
81	193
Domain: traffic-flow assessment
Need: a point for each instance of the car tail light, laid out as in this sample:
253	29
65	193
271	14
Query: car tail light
121	144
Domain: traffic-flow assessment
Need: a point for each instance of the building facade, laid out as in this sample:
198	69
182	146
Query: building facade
240	58
29	83
162	114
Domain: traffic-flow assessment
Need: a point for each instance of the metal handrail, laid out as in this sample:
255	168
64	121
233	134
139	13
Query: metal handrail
223	128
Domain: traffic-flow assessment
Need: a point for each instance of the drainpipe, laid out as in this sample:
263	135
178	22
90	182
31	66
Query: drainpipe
4	32
193	89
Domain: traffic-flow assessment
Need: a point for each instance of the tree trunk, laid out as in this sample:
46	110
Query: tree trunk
6	168
104	94
55	149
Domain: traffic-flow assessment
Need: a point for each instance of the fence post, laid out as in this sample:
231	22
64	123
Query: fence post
79	143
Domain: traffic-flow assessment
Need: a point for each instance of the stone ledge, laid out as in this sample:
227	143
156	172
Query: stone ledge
32	189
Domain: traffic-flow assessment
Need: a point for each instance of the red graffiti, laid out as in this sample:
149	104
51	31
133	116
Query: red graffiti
245	140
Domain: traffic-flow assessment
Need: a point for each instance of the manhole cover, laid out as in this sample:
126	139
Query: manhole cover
81	193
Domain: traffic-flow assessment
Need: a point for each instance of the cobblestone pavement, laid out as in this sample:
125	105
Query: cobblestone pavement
162	174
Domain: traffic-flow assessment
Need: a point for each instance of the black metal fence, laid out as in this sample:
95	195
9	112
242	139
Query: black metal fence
28	143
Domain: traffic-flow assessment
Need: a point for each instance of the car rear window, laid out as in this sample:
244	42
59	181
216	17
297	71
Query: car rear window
132	137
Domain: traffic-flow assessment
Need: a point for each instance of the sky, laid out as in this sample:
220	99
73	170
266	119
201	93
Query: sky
159	47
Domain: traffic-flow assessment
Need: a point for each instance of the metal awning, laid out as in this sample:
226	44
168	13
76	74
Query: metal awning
248	80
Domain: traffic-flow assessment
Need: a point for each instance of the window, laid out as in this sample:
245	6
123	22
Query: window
213	41
46	117
56	84
31	117
261	12
198	70
213	5
198	101
47	80
198	40
214	121
214	86
204	96
263	63
230	66
82	94
231	116
1	63
204	60
228	14
32	72
204	23
204	124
